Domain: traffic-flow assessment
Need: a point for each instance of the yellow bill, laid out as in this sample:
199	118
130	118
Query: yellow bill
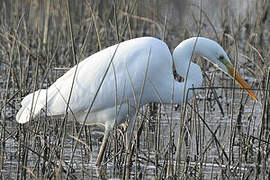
241	82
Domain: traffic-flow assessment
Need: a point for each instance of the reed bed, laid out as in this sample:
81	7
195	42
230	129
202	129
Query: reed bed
219	134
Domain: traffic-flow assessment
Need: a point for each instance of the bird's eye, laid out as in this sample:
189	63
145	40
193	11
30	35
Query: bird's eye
221	57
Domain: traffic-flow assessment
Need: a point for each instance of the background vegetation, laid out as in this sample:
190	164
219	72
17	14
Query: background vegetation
223	136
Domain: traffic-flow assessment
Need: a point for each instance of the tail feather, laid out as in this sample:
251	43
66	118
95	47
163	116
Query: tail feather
31	105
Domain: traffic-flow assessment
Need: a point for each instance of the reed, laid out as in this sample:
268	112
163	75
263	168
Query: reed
220	133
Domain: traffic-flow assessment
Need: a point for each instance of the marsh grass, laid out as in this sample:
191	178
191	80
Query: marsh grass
225	135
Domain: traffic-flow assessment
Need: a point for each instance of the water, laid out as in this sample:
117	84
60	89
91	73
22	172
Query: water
39	143
200	151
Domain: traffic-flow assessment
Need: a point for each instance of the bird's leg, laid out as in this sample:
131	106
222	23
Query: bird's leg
103	146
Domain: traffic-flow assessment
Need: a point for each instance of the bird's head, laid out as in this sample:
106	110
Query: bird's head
222	61
213	52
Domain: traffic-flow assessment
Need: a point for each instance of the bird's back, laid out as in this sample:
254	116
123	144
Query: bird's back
123	82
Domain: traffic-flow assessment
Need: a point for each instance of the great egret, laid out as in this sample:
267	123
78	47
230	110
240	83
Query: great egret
141	72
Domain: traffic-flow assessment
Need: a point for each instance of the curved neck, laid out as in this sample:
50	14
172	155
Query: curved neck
182	57
190	71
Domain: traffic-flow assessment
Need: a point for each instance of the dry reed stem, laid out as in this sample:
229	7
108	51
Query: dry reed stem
34	150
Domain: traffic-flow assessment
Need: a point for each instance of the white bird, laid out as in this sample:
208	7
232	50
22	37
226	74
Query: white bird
141	72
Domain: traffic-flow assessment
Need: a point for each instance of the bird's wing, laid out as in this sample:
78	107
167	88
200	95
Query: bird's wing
123	82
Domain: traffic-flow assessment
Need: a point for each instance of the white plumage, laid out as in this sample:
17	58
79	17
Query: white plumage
141	71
